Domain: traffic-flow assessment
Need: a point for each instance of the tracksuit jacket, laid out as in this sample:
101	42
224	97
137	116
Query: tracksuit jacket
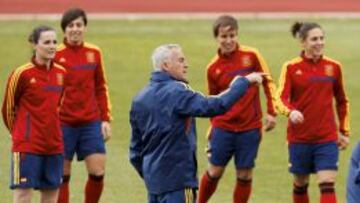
311	87
31	108
86	94
246	114
163	141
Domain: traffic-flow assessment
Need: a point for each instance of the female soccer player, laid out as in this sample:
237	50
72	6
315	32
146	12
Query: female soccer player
85	112
238	132
307	86
30	113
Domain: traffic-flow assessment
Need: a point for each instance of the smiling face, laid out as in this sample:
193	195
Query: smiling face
313	44
227	39
45	48
74	31
176	65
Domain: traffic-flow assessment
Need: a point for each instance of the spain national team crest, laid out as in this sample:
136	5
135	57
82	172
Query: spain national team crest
329	70
90	57
246	61
60	79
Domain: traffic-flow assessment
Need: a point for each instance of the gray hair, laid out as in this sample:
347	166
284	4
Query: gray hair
161	53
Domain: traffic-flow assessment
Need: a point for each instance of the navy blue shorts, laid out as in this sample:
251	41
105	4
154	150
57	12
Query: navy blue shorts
83	140
242	145
311	158
187	195
36	171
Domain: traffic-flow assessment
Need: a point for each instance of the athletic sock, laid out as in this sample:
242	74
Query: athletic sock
208	186
242	190
300	194
93	188
327	191
64	190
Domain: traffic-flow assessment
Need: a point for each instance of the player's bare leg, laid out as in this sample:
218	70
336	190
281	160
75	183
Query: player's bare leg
49	196
244	174
95	165
209	182
300	179
67	167
326	181
22	195
215	171
301	183
326	176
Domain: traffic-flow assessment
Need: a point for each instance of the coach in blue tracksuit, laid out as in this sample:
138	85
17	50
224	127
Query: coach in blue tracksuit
353	182
163	141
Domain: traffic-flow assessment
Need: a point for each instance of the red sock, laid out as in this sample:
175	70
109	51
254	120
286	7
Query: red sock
93	188
242	191
64	190
207	187
327	191
300	194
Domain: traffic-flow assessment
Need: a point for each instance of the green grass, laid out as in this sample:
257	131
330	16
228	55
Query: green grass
127	46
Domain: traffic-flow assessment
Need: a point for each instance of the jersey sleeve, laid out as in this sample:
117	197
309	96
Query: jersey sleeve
342	105
283	104
136	146
102	90
211	82
12	96
268	85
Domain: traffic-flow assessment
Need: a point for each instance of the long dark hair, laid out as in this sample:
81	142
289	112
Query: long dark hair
36	32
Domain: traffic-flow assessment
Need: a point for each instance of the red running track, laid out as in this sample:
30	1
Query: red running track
164	6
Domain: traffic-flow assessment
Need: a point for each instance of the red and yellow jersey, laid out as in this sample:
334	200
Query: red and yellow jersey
86	94
310	87
30	108
246	113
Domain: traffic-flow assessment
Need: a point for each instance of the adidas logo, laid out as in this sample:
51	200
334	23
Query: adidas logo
298	72
32	81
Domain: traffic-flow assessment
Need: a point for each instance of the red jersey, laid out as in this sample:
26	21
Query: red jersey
30	108
86	94
246	114
310	87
